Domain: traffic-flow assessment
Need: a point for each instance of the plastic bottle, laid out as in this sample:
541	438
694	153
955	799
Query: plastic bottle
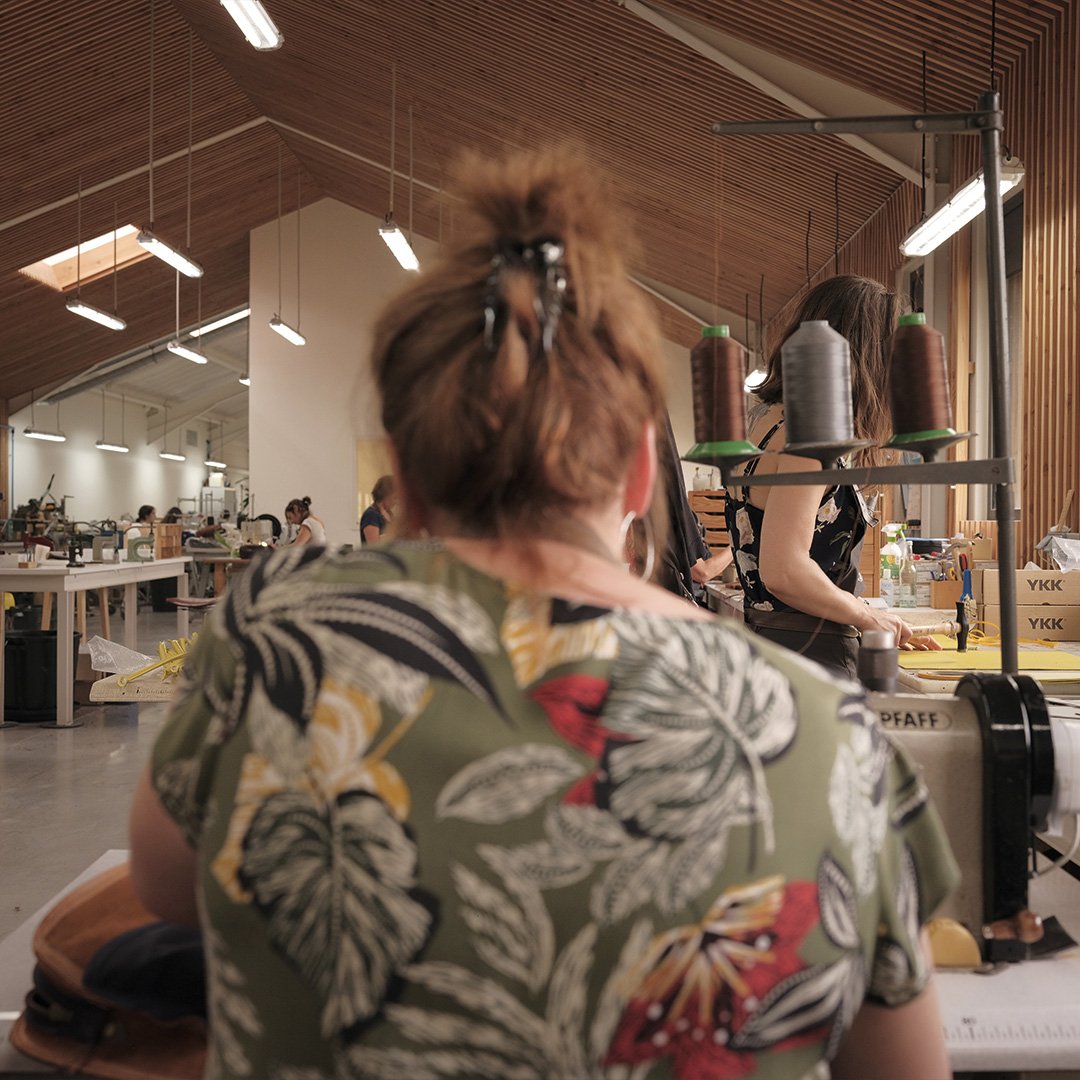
891	553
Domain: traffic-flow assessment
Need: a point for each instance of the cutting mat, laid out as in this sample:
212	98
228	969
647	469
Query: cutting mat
986	659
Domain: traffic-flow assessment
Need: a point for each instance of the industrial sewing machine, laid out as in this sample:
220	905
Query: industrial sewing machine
1002	764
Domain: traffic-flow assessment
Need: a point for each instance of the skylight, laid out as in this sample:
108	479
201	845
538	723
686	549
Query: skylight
59	271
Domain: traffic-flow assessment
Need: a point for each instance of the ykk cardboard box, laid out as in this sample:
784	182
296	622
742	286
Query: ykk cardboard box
1033	587
1055	623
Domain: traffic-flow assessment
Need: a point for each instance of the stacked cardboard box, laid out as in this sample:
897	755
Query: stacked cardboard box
1047	603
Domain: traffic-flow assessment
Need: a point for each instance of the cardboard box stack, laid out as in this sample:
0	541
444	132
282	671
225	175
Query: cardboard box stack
1047	603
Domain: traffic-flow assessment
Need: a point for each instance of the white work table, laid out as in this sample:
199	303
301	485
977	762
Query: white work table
65	581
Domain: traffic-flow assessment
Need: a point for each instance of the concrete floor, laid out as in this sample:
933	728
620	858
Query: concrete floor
64	794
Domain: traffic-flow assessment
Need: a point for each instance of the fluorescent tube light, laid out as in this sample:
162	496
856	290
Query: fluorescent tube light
966	205
88	311
255	24
48	436
287	332
89	245
215	464
187	353
244	380
116	448
397	242
225	320
169	456
156	246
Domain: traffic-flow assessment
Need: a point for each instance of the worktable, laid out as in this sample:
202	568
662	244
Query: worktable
65	581
728	603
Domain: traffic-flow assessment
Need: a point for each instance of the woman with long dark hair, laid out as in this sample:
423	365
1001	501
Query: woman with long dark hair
797	548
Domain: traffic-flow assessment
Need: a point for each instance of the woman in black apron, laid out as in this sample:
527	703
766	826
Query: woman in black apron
797	548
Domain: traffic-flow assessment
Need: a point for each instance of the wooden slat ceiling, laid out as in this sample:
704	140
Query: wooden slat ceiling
712	217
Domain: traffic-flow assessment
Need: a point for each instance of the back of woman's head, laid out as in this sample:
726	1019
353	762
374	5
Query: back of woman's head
865	313
299	506
517	374
384	489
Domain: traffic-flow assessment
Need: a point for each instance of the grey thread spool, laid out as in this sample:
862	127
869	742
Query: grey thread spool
816	366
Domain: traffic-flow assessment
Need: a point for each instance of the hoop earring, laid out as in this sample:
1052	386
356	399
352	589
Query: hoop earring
650	549
650	542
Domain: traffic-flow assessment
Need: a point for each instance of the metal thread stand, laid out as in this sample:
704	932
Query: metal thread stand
986	122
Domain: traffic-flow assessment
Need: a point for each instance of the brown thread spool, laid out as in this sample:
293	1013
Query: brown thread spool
717	370
919	398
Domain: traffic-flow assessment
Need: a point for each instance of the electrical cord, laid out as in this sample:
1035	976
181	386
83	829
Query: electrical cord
1060	862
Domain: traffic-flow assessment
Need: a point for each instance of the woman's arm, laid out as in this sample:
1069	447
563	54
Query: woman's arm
371	534
707	569
163	864
788	572
303	536
896	1044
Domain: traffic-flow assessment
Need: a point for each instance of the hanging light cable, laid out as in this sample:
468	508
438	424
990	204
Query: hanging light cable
103	443
211	461
392	236
277	324
34	432
75	304
147	238
166	454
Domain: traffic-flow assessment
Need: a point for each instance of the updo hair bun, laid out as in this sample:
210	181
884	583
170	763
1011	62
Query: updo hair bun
489	425
306	500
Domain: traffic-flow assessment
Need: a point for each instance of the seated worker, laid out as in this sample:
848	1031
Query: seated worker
687	563
310	528
143	524
377	516
797	549
481	803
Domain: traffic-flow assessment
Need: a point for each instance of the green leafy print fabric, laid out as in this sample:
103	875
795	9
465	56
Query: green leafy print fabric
447	827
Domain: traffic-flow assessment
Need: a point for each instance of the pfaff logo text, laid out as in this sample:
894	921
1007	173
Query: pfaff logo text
1047	624
1043	585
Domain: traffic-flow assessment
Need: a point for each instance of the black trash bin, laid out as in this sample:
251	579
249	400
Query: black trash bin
160	591
30	674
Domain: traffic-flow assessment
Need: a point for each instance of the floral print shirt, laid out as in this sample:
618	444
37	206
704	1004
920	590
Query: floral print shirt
447	827
841	523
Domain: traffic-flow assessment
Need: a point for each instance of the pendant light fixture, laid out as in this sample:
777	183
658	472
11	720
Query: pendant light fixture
277	324
217	324
966	205
166	454
392	236
34	432
147	238
210	461
255	24
75	304
103	444
188	352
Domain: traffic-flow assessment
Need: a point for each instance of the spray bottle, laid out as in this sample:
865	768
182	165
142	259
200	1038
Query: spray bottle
891	554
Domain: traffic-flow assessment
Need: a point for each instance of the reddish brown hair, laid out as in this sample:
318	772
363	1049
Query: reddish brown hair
508	438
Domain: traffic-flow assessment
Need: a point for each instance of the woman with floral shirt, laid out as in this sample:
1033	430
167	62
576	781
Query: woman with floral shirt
485	805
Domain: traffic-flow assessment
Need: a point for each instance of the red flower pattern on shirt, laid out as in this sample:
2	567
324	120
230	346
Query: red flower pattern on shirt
697	985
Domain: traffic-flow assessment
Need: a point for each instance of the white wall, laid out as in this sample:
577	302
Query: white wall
310	404
103	484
